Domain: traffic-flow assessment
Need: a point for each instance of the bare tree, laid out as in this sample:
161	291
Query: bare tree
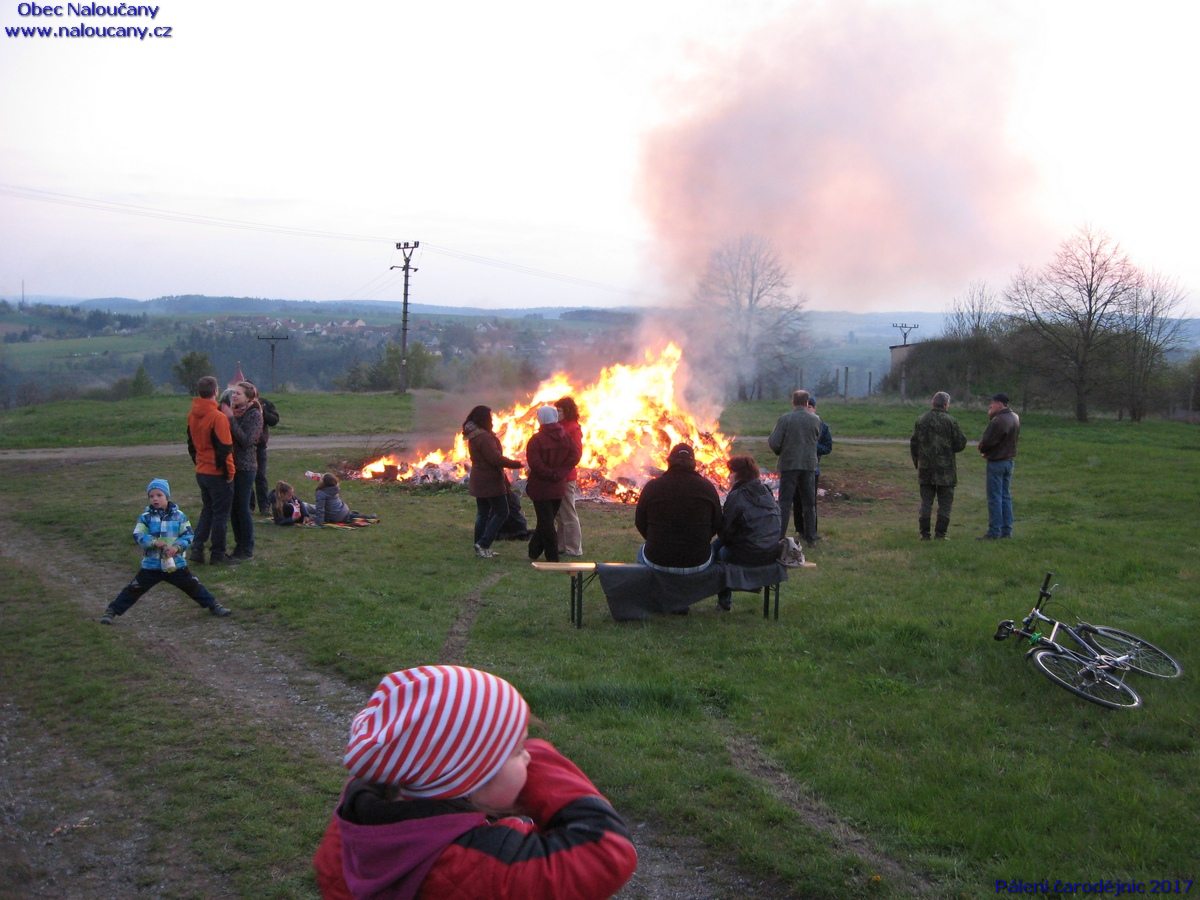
1074	305
759	322
1149	331
977	313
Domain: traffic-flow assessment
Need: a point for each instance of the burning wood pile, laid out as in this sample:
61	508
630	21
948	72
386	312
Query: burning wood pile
631	417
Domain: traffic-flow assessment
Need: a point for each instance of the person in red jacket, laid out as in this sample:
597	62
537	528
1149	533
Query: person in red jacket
450	798
551	455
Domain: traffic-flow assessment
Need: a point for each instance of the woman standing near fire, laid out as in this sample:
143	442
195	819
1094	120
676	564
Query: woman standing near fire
570	535
488	482
551	455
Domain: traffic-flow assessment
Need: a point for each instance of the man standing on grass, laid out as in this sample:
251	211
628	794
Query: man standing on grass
936	438
794	441
210	445
824	448
999	447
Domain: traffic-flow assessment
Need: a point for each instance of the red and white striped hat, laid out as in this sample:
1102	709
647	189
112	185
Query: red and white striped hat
436	731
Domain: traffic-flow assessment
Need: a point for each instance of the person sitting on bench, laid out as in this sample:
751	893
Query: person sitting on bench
749	532
678	513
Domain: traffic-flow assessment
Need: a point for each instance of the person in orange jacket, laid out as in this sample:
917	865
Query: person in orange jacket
210	445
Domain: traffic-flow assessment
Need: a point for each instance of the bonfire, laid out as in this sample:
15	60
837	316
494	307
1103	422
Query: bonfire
631	416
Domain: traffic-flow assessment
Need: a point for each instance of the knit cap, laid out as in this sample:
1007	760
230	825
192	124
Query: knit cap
436	732
159	484
547	415
682	455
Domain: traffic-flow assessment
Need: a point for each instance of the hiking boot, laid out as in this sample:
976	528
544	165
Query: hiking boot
107	618
218	610
220	559
195	555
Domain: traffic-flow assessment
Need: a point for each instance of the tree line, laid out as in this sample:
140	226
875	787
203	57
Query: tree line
1088	330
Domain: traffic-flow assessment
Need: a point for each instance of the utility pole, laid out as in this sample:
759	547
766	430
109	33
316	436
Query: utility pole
904	329
274	339
407	249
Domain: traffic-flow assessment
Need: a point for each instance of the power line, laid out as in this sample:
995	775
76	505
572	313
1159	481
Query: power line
129	209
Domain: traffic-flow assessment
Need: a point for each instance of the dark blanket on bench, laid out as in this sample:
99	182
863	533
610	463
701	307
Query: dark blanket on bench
636	592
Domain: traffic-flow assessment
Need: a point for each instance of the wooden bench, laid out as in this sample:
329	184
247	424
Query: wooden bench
583	573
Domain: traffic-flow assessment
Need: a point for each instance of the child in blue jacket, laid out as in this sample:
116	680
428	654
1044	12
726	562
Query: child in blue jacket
164	534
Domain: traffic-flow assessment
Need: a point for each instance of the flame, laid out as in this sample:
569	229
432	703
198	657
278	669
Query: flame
631	417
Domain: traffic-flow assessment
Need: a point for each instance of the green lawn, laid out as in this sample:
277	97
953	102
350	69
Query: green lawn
162	419
879	695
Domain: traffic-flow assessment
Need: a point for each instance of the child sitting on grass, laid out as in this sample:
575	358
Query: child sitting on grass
331	509
288	509
164	534
449	799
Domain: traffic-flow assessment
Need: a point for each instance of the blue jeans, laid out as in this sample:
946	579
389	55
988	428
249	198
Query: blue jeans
674	570
490	514
999	498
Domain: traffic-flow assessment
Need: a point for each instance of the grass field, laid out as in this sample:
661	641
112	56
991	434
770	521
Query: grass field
162	418
878	699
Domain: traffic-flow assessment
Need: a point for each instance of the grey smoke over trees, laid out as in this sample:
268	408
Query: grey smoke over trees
753	323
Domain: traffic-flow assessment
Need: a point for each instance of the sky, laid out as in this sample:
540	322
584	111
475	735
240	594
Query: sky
894	152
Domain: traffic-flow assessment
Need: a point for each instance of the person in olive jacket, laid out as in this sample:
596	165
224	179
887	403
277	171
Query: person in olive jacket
551	455
935	440
488	482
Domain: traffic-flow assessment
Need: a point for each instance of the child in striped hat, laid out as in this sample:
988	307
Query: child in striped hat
164	534
449	796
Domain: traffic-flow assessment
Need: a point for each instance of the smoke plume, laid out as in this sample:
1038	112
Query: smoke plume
868	144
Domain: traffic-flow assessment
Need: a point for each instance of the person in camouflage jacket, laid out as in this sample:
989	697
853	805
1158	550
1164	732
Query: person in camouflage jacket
936	438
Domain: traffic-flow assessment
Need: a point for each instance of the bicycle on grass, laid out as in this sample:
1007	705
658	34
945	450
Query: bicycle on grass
1096	670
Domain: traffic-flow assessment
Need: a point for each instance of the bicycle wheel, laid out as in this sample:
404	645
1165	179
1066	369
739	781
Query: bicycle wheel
1066	670
1144	657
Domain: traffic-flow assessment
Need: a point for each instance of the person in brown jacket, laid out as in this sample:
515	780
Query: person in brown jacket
488	482
210	445
999	447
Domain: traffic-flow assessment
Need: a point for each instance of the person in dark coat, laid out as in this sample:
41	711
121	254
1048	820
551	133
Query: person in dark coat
678	513
270	419
935	440
551	455
488	482
749	532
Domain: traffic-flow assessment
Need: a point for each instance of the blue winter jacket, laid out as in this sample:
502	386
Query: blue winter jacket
169	525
